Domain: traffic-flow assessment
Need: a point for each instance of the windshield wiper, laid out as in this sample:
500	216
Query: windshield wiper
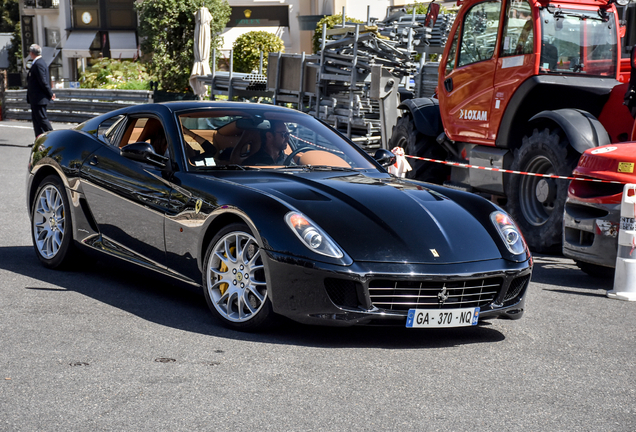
324	168
228	167
558	13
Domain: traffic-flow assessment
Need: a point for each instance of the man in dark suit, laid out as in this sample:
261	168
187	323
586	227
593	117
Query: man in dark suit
39	91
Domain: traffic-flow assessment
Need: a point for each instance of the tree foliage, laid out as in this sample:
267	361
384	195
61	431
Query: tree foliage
248	46
10	23
116	74
167	31
9	15
331	21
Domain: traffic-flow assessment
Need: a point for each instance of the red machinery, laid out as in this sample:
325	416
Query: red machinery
592	211
527	86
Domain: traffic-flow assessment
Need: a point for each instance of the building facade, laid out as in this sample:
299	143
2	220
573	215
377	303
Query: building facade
73	32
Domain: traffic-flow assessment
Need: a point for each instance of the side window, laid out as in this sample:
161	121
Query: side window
518	34
450	60
110	128
146	129
479	33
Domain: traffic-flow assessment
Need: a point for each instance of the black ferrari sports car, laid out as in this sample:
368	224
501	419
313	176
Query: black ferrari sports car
271	212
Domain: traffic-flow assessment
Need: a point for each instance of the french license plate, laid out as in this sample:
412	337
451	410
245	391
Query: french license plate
419	318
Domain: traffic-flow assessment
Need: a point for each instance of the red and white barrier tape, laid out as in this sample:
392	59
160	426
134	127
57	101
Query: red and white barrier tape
463	165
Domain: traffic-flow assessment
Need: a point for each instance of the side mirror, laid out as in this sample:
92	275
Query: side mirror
143	152
384	157
431	15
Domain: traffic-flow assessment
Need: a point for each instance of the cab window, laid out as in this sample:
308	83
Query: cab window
450	60
518	33
479	33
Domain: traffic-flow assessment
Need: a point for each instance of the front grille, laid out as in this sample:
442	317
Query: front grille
405	295
516	286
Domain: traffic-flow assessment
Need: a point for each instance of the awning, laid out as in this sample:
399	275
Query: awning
49	54
78	44
123	44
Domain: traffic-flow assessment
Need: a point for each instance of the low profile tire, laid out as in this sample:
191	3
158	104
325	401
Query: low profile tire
234	280
51	225
536	203
596	270
406	135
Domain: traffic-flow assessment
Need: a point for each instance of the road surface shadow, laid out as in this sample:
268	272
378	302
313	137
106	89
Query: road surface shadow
561	271
160	300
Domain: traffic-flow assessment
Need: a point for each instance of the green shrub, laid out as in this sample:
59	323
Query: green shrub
332	21
116	74
166	30
247	48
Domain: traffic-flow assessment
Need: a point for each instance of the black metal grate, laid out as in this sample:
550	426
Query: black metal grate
405	295
342	292
516	286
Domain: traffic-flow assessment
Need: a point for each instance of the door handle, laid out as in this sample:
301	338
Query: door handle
448	84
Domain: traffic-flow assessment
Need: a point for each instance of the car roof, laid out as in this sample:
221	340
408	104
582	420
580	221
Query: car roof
185	105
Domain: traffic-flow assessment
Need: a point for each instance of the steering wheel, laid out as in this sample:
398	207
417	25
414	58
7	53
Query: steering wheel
290	157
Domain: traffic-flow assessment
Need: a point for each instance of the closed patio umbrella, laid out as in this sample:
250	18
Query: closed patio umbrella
202	40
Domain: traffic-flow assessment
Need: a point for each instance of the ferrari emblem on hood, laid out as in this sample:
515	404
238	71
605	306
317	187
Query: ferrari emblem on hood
197	206
434	252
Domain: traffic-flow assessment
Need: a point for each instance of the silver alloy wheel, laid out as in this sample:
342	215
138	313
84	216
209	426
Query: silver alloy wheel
236	278
49	221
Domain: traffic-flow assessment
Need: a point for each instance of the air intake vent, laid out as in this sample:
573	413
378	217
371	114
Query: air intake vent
342	293
516	286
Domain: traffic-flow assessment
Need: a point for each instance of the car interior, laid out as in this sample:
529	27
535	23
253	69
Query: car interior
232	143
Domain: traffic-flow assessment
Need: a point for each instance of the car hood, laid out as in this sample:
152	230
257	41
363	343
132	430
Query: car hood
382	218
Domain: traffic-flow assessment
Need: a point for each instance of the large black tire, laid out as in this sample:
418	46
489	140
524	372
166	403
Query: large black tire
536	203
406	135
596	270
52	225
234	282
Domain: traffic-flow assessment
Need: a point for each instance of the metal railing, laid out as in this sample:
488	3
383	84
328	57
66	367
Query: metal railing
74	105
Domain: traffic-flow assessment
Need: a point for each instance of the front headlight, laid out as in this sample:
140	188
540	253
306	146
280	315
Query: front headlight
509	232
312	236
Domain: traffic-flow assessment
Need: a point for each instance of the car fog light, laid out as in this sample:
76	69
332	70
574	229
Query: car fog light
312	236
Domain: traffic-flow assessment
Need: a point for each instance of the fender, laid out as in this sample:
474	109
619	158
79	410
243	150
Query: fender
426	116
582	129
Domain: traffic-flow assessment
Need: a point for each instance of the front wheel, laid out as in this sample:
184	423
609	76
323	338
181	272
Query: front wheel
234	281
51	225
536	203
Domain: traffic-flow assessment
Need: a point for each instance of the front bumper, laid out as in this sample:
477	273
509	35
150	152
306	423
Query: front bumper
590	232
318	293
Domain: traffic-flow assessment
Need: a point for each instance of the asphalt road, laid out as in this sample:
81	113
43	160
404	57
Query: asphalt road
106	348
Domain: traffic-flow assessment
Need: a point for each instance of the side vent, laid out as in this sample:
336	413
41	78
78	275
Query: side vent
343	293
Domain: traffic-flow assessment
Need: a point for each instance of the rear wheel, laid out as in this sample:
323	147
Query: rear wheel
51	225
234	280
406	136
536	203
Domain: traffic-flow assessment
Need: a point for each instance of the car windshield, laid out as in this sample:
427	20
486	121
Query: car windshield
578	42
264	139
